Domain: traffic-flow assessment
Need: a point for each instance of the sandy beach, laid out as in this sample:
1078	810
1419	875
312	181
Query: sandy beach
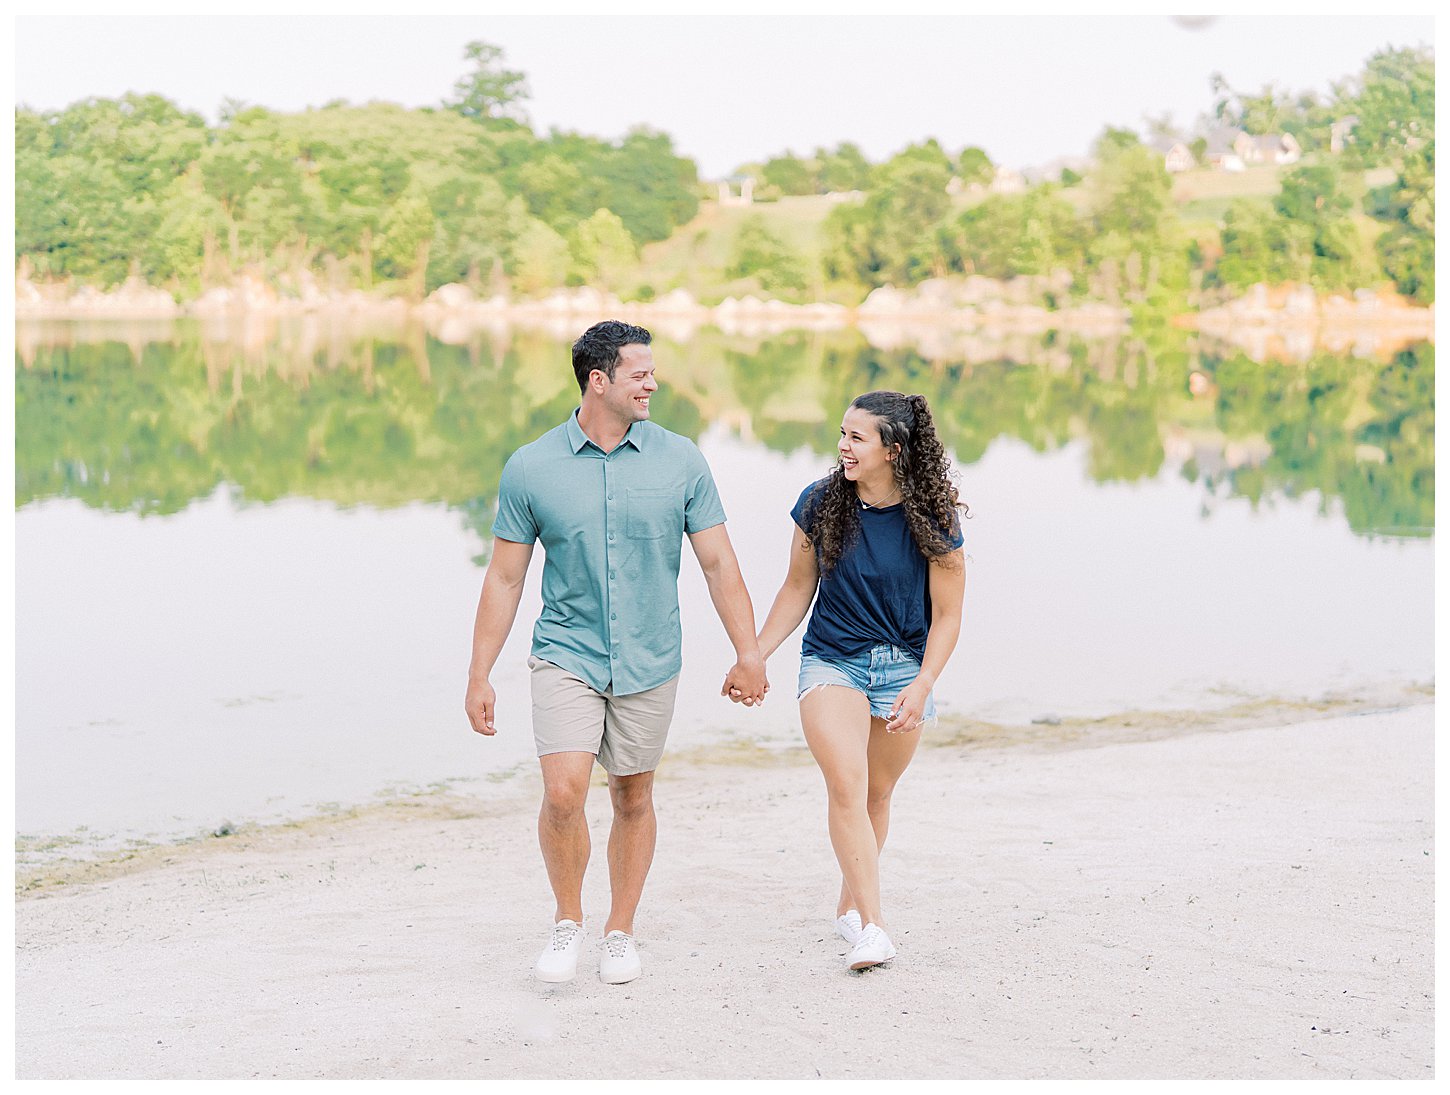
1244	903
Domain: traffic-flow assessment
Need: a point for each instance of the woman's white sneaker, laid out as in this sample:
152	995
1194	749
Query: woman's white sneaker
620	961
871	949
560	957
848	926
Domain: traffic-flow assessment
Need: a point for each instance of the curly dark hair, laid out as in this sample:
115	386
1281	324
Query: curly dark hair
598	348
923	474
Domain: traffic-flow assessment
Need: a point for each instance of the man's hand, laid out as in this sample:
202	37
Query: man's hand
746	683
479	705
503	584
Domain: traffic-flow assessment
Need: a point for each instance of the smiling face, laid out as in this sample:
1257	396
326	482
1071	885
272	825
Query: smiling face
864	459
627	396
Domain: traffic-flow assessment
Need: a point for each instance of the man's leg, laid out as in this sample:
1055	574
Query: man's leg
631	846
563	829
635	729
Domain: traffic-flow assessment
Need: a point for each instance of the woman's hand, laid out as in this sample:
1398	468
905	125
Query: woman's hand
746	683
906	711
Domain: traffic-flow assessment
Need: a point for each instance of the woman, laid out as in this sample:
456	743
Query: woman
878	547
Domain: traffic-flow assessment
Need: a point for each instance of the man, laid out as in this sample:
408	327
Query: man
610	495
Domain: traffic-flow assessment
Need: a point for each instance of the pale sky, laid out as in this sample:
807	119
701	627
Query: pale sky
728	89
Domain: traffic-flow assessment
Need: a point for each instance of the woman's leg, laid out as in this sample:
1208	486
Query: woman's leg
837	723
887	756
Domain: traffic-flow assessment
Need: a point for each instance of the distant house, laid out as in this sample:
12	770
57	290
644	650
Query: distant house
737	190
1231	149
1341	132
1008	181
1220	150
1275	148
1177	156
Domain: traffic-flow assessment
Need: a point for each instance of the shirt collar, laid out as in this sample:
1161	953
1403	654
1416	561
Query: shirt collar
635	435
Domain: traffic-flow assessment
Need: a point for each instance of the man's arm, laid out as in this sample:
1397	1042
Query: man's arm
732	604
498	604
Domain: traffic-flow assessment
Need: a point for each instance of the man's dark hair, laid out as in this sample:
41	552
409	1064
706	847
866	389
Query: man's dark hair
598	348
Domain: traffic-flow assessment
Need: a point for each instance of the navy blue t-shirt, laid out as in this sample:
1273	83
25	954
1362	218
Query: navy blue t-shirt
877	592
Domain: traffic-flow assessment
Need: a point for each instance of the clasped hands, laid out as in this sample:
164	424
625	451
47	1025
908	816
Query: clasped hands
746	683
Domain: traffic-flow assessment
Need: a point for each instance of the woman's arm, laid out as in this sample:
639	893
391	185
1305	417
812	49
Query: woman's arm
795	596
946	578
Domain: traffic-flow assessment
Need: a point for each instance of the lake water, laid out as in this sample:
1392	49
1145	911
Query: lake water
247	559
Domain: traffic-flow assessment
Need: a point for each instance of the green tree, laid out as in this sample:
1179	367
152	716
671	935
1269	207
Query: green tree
789	174
88	179
974	167
540	258
759	253
1112	141
603	251
1137	238
843	168
556	190
1008	235
890	237
1267	112
490	92
1316	196
475	226
253	153
1161	128
407	233
1407	250
1261	245
189	227
1394	100
651	188
640	179
927	152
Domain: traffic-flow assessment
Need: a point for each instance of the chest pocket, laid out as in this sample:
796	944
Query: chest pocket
652	514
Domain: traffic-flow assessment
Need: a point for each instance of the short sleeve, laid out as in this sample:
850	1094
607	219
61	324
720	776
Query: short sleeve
953	534
803	512
515	519
703	508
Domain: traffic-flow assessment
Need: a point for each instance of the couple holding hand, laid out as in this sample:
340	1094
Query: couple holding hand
876	545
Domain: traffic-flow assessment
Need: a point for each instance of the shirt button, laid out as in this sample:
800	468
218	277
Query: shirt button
610	497
611	536
612	616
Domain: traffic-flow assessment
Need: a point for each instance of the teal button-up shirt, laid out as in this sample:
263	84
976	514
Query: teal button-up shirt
612	525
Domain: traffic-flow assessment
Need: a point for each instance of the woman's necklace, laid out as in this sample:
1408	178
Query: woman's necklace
876	504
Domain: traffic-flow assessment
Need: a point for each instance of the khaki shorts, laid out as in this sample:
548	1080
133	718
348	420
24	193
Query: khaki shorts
626	733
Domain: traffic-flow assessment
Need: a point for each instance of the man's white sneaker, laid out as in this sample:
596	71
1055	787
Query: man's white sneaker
848	926
560	957
620	961
871	949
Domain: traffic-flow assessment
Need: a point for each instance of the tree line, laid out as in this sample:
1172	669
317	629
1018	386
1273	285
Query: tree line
409	199
353	194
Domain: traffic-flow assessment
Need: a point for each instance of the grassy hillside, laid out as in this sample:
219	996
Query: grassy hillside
696	256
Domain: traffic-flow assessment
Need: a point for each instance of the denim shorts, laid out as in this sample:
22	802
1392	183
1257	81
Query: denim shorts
879	673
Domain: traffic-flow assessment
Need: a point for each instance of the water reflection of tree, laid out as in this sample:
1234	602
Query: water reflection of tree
388	417
1361	433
